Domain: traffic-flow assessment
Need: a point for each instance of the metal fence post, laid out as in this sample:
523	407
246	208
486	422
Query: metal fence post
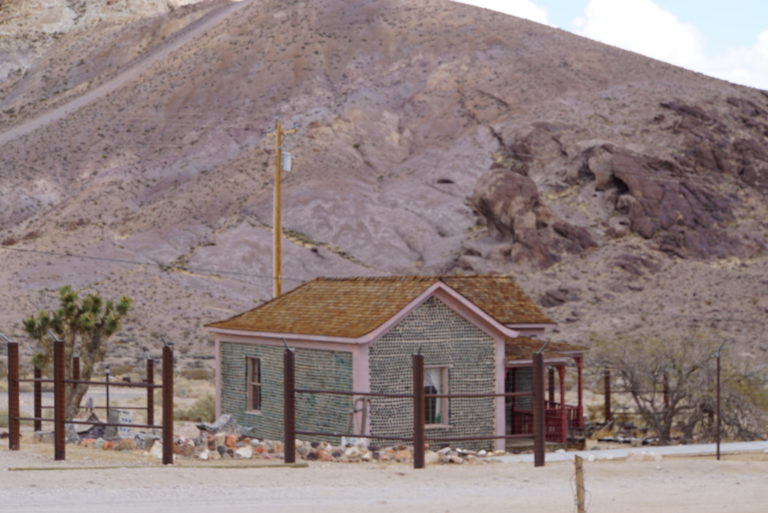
418	411
150	391
538	409
13	396
717	405
289	406
75	369
167	404
37	399
607	391
59	398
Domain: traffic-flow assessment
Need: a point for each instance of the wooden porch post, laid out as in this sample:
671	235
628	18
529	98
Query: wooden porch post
563	413
551	384
580	404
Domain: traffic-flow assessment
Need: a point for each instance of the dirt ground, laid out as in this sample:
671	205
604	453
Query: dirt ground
702	485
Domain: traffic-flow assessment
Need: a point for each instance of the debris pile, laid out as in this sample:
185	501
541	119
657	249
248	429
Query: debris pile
225	439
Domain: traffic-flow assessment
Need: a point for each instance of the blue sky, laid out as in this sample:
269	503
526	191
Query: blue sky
726	39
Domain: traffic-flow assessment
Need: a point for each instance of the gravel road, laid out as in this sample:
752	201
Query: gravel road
679	485
130	73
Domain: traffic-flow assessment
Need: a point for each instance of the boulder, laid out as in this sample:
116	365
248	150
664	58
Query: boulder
517	217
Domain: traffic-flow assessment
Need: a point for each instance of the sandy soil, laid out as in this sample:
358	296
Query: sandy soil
736	485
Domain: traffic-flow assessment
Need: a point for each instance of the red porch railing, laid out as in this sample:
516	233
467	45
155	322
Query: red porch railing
522	421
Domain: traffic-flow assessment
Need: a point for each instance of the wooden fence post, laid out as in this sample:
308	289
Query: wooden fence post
289	406
418	411
13	397
59	400
37	400
579	463
538	409
167	404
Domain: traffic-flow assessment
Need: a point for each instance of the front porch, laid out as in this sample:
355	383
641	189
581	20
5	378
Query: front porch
563	422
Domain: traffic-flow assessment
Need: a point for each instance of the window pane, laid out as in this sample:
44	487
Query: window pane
433	406
255	397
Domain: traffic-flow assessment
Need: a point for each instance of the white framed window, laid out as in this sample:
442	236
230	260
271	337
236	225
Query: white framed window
253	383
436	382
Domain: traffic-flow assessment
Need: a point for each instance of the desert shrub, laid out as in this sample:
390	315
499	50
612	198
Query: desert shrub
202	410
201	374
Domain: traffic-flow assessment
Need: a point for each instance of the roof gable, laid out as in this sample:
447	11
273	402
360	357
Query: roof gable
354	307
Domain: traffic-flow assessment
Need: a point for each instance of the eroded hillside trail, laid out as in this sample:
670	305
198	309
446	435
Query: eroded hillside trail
129	73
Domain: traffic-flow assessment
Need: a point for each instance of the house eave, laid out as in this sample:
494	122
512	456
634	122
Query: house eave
285	336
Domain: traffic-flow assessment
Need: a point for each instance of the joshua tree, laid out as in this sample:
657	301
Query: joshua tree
85	324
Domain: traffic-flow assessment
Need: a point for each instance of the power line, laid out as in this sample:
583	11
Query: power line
160	265
703	316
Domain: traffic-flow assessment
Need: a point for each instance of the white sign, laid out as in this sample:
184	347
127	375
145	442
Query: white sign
287	161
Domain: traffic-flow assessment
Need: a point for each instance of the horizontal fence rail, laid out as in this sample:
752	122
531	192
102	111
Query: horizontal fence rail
59	399
418	397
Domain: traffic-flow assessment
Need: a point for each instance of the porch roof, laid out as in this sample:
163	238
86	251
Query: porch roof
353	307
522	349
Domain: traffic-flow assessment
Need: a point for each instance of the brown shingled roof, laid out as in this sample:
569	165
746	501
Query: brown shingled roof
353	307
522	348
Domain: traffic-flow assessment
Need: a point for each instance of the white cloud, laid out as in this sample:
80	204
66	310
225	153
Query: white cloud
520	8
642	26
744	65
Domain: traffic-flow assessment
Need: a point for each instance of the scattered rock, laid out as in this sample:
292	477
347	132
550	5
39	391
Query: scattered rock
226	424
43	437
557	297
156	451
126	444
144	440
245	452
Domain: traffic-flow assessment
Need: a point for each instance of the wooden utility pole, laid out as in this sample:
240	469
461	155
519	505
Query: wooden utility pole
277	205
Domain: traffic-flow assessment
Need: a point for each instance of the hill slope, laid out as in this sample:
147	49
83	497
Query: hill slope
627	194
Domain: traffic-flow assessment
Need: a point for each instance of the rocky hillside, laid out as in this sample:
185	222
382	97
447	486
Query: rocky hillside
628	195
